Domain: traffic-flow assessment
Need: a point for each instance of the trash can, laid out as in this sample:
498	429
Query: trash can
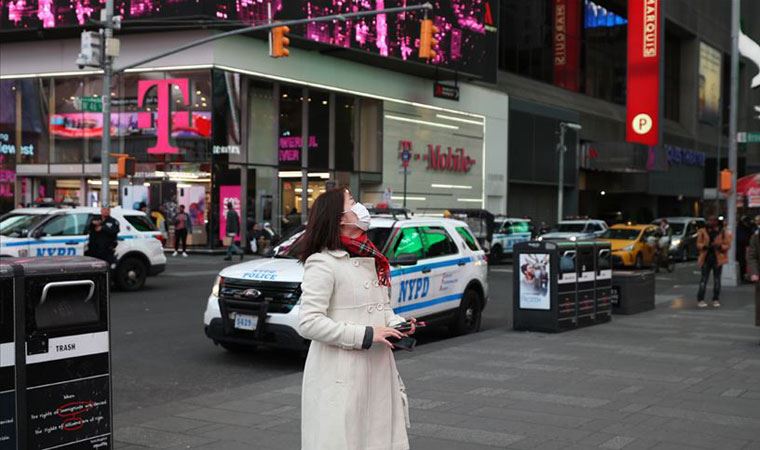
559	285
64	389
9	280
633	291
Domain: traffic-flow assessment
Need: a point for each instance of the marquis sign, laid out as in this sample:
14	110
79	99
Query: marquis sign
643	78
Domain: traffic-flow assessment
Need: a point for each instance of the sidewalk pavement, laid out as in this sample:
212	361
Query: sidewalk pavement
673	378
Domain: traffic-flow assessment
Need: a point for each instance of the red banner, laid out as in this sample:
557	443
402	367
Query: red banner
643	83
567	48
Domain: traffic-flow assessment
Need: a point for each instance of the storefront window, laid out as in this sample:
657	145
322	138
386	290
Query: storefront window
371	125
319	130
289	146
262	129
344	133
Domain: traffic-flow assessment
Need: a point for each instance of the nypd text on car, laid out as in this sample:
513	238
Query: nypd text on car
47	232
438	273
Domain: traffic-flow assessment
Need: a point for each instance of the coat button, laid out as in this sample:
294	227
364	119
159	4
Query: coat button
355	263
366	284
380	306
376	283
370	308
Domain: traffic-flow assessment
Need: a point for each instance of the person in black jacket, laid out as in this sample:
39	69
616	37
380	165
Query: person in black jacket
104	233
231	230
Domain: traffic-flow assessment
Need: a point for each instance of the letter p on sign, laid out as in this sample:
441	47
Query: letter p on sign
642	123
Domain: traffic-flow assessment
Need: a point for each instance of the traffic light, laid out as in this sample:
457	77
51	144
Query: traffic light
125	165
279	42
91	50
725	180
427	39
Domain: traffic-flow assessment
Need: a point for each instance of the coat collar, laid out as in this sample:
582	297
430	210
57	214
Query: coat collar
338	253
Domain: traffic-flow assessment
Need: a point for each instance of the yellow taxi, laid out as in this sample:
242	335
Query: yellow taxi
632	245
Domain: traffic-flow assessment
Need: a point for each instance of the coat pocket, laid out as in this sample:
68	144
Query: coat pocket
404	400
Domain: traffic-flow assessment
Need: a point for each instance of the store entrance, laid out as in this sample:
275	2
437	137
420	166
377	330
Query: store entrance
291	191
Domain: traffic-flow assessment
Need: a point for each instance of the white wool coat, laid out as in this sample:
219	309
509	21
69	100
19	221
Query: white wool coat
353	399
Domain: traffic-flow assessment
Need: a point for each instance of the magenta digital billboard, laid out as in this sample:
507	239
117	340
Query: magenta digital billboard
467	28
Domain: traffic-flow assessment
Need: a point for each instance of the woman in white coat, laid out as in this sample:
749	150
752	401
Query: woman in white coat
353	397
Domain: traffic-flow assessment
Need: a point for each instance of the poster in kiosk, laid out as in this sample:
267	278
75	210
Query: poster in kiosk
64	386
559	285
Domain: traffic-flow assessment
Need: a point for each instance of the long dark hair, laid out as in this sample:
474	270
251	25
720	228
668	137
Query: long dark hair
323	228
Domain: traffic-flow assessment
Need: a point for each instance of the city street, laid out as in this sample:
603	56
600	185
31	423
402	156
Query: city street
676	377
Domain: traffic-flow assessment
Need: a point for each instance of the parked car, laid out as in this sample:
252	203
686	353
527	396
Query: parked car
632	245
438	270
683	245
47	232
508	232
575	230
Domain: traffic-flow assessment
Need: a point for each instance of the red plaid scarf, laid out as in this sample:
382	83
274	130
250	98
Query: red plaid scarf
363	247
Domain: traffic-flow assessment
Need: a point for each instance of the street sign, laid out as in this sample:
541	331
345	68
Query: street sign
406	156
88	104
446	91
748	137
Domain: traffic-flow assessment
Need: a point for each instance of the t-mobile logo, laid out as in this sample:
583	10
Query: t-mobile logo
163	128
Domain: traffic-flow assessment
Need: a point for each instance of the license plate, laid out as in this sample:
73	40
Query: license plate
245	322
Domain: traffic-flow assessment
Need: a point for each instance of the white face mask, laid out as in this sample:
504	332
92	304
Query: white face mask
362	215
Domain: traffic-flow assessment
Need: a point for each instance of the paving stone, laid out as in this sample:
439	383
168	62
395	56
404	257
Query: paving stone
148	437
465	435
617	442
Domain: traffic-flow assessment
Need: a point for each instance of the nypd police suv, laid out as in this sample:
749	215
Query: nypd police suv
46	232
438	273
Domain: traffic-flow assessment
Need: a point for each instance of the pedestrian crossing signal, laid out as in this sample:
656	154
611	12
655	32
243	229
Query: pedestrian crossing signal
427	39
279	42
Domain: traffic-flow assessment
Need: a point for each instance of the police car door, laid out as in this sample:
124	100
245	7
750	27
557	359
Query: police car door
63	235
440	270
519	232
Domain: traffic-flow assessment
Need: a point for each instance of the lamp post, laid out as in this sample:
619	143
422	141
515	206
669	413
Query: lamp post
561	149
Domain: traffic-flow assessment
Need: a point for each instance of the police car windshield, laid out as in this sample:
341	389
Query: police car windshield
19	225
571	227
290	248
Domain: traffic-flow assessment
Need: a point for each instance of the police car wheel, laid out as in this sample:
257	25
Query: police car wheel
469	315
130	274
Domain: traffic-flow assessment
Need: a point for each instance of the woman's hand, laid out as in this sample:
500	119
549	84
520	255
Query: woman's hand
381	335
413	321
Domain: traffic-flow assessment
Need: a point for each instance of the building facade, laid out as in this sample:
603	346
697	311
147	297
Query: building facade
248	129
565	60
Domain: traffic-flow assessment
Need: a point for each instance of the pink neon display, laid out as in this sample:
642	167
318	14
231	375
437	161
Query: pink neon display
464	37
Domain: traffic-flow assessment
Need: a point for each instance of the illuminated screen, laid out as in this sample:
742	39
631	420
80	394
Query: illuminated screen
467	28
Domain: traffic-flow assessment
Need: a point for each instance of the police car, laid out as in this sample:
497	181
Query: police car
509	231
46	232
438	274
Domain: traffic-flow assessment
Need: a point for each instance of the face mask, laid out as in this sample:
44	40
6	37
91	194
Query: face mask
362	215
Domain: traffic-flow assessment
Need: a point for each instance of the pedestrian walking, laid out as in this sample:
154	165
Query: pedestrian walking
744	231
713	244
231	230
353	397
183	225
753	266
103	238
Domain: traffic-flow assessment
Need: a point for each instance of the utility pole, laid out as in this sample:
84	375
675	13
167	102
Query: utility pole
105	146
730	273
562	149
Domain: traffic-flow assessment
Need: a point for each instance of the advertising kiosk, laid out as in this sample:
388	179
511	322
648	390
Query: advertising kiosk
559	285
